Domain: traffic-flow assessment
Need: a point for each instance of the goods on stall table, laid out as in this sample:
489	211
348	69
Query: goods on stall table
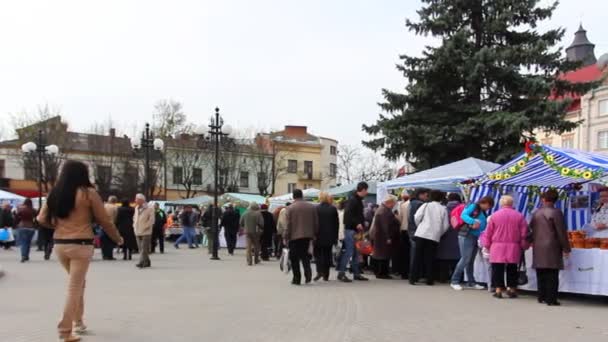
604	243
577	239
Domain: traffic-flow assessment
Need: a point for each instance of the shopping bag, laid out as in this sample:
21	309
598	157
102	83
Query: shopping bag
284	262
522	275
6	235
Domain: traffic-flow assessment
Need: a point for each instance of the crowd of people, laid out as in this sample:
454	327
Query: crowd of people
423	237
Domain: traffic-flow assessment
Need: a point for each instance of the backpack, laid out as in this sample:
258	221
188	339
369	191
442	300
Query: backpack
456	220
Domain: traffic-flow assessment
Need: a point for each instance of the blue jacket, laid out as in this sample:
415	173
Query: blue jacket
471	214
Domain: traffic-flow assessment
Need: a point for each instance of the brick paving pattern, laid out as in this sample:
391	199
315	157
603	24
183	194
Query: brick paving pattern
186	297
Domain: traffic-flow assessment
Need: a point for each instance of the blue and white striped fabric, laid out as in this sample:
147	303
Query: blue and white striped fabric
537	173
575	218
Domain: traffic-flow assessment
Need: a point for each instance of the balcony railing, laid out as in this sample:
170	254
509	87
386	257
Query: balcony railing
316	176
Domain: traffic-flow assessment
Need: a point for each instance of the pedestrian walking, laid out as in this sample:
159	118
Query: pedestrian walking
230	222
158	230
475	221
270	229
448	252
432	222
25	225
70	208
302	227
551	245
252	223
327	236
107	245
188	219
281	227
384	233
353	223
124	223
143	221
505	238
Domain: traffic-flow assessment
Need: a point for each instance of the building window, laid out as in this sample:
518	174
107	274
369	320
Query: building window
308	168
333	170
602	140
568	141
30	168
291	187
178	175
244	179
197	176
308	186
333	150
104	174
262	179
2	169
292	166
603	107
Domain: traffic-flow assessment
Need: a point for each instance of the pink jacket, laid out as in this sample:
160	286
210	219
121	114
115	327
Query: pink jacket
505	236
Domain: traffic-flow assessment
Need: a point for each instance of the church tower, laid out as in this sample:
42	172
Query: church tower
581	48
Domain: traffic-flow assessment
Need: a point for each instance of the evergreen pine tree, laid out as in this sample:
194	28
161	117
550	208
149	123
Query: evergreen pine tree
490	83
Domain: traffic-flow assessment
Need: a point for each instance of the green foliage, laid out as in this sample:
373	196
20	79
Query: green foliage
482	90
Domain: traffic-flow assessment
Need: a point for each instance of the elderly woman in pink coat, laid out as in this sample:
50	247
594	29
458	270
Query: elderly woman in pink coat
505	238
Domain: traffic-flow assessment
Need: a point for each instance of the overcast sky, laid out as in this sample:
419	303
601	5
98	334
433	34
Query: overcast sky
265	63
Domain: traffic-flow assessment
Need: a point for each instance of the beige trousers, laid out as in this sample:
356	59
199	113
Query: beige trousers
75	260
144	244
253	248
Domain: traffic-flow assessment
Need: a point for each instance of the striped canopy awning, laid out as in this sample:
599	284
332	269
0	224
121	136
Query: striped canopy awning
537	173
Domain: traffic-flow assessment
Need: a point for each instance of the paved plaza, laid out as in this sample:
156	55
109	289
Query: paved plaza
186	297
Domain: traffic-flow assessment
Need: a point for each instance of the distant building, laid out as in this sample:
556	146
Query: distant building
592	108
302	160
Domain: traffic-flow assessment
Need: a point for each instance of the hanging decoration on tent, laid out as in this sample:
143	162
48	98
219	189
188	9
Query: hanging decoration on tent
532	149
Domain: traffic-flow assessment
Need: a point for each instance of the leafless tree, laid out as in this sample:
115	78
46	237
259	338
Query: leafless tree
184	155
356	164
169	119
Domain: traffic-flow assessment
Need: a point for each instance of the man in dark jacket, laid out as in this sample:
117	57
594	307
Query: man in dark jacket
158	230
421	195
230	222
302	227
354	222
270	229
329	225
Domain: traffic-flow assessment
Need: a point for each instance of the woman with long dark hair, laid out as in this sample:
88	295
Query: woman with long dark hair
25	224
124	222
70	209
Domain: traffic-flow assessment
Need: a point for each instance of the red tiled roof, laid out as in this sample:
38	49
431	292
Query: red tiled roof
585	74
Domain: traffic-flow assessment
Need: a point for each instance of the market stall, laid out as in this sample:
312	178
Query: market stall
175	230
445	178
279	201
346	190
575	175
10	198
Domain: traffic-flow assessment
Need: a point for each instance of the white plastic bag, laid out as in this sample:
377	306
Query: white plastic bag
284	262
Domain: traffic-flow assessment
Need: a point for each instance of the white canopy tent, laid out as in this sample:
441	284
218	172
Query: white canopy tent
278	201
11	198
444	178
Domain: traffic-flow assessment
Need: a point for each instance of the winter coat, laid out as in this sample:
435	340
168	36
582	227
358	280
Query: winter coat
230	221
385	227
160	219
505	236
329	224
282	222
353	213
415	204
473	213
549	238
448	245
432	221
252	221
404	214
124	222
302	221
269	226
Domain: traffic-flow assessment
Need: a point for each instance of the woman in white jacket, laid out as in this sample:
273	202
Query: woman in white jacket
432	220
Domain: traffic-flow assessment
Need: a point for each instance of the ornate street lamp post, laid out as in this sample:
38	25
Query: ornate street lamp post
217	134
146	145
39	149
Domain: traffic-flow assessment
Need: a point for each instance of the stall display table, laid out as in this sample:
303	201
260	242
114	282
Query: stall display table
585	272
177	231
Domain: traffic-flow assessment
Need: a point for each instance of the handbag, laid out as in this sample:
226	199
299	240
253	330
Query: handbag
6	235
284	262
522	272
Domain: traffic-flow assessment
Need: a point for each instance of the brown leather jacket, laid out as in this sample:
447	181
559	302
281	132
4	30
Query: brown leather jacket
88	208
